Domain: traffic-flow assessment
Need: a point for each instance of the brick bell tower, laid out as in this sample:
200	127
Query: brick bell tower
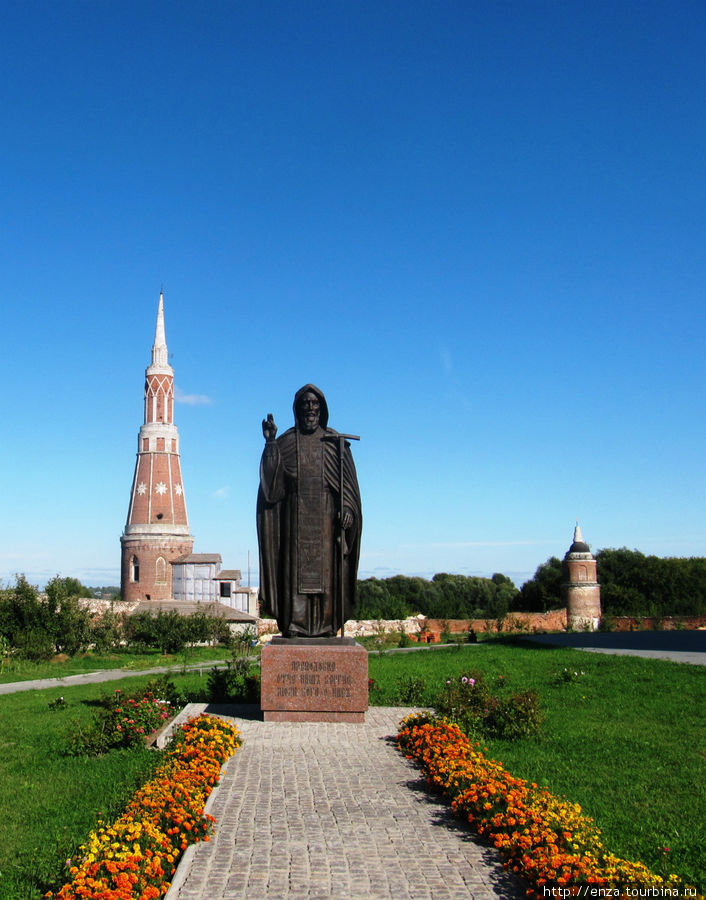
157	528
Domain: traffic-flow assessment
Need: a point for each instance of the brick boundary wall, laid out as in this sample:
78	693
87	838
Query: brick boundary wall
512	623
667	623
419	628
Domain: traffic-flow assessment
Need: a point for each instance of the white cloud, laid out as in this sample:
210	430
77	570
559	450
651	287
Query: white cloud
221	492
191	399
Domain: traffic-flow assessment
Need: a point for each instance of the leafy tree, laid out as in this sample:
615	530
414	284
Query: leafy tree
20	611
198	627
170	631
39	628
543	592
58	588
637	585
107	631
68	624
446	596
373	601
140	630
504	595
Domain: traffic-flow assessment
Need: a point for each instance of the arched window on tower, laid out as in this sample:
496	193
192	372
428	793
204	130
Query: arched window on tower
134	569
161	571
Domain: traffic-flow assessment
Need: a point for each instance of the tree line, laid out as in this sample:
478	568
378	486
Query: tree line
632	584
444	597
37	626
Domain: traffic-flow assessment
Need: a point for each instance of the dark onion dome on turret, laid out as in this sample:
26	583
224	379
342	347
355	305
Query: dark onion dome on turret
579	545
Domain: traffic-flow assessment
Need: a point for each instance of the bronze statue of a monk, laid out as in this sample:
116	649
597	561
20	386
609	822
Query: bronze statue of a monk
300	518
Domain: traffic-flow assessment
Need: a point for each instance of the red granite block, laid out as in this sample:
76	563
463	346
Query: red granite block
313	681
298	715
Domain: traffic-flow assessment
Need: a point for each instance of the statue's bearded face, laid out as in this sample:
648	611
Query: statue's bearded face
308	412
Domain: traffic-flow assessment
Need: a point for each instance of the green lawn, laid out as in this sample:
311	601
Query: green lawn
49	802
626	740
23	670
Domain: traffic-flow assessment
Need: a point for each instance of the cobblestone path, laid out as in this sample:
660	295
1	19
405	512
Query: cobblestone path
332	810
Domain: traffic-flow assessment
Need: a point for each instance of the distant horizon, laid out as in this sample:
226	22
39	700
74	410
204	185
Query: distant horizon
41	581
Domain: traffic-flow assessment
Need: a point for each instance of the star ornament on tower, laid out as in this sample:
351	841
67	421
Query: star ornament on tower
157	525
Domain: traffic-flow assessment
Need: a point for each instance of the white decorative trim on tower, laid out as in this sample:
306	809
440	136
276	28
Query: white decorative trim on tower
157	526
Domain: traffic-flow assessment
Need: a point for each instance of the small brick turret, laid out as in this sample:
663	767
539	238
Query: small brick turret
582	593
157	528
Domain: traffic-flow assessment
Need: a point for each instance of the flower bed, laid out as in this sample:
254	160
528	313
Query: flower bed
546	840
136	856
126	720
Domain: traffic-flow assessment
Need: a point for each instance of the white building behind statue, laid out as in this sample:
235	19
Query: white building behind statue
198	578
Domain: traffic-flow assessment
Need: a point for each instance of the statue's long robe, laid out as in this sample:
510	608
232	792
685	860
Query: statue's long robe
297	526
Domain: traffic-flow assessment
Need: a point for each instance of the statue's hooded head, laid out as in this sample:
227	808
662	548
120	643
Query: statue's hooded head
305	402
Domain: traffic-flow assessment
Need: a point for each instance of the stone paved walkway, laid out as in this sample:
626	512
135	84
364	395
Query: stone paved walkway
333	810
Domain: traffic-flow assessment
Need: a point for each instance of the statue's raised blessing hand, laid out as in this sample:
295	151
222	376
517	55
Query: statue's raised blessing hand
269	429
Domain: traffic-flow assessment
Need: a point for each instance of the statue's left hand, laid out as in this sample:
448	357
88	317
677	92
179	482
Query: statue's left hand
348	518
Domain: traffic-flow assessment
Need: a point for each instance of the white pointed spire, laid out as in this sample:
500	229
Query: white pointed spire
160	354
578	537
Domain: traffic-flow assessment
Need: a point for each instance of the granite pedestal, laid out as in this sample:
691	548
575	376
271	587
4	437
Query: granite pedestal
314	680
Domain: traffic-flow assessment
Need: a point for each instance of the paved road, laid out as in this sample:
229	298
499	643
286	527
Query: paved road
36	684
678	646
332	811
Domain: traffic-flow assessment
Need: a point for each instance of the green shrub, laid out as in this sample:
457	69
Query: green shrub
244	641
469	701
566	676
164	689
517	716
220	632
34	643
233	684
410	690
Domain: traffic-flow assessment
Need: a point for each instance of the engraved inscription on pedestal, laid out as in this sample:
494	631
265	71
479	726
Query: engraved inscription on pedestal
327	682
312	679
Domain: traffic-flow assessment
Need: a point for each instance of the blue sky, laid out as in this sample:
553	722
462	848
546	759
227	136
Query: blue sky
477	226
